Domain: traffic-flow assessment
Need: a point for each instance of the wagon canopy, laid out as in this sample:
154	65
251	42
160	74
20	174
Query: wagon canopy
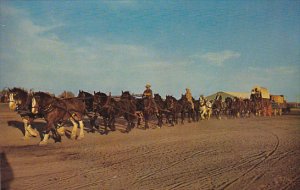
264	91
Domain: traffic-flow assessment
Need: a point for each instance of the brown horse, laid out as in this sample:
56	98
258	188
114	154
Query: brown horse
56	111
174	107
88	100
126	107
146	107
109	108
20	101
104	106
187	108
162	107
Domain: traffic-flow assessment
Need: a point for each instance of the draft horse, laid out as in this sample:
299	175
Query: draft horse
187	108
20	101
174	107
56	111
88	100
148	107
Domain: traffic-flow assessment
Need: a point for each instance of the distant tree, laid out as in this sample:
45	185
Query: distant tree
66	94
4	95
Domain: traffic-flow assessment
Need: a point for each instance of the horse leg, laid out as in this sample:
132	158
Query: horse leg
172	119
159	119
74	129
27	134
146	121
81	134
46	134
112	120
93	122
55	135
182	117
28	129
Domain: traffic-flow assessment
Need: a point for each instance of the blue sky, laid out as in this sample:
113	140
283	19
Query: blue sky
111	46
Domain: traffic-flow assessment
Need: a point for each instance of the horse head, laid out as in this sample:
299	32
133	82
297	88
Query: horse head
126	95
17	98
41	102
170	101
100	99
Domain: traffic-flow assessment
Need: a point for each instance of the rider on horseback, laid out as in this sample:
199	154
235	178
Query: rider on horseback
189	97
148	94
202	98
218	97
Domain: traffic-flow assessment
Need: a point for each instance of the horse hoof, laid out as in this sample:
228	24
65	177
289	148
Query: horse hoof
61	131
73	137
26	138
32	132
43	143
80	137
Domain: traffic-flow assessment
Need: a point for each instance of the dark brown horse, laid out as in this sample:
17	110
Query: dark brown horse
88	100
110	108
104	106
147	108
20	101
175	108
229	107
197	109
187	108
150	110
162	107
217	108
126	107
56	111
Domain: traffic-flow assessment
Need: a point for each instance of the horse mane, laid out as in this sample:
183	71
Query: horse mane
158	96
171	97
85	93
101	94
47	94
19	90
126	95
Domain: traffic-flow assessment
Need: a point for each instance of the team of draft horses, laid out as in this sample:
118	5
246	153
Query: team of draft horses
134	109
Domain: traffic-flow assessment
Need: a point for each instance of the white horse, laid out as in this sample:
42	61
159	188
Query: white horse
205	109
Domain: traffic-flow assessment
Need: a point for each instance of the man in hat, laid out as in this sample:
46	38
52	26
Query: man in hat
218	97
148	91
189	97
148	94
202	98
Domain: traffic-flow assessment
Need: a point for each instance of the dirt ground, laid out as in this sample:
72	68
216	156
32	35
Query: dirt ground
252	153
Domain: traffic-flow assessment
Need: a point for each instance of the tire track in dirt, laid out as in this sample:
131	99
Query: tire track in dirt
256	165
260	157
274	159
291	183
146	176
218	171
99	170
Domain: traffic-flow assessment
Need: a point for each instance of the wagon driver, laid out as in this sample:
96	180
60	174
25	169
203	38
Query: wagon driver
189	97
148	94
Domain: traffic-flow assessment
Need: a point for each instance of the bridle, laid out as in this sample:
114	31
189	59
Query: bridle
12	100
105	105
171	104
43	109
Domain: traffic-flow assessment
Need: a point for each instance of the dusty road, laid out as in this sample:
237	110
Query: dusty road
253	153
